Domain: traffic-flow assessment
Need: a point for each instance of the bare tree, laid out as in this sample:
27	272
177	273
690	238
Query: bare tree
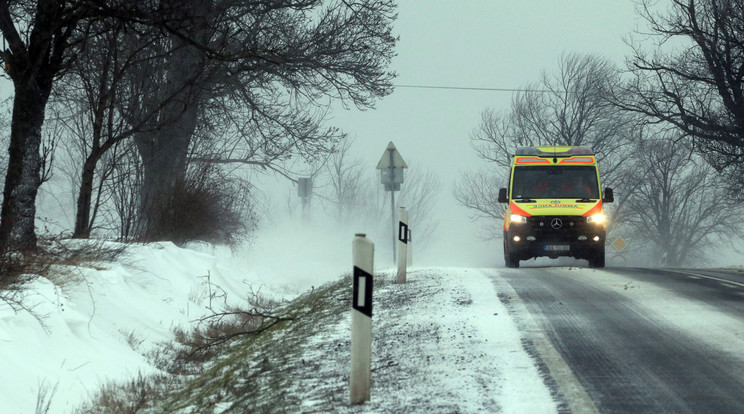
419	196
575	109
346	182
124	187
176	76
495	140
304	51
91	94
681	206
572	107
42	37
692	79
265	70
359	196
35	55
5	117
478	191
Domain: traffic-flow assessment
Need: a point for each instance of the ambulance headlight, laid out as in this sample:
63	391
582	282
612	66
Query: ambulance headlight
597	219
516	218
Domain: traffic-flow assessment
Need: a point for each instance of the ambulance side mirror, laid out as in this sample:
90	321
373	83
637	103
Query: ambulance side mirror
608	196
502	196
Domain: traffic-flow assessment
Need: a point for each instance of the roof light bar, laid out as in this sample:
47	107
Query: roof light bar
554	151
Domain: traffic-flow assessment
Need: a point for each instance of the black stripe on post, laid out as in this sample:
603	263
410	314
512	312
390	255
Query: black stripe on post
403	232
362	292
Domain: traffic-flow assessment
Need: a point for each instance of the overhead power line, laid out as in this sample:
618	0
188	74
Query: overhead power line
465	88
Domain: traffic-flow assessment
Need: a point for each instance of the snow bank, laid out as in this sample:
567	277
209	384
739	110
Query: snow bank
97	324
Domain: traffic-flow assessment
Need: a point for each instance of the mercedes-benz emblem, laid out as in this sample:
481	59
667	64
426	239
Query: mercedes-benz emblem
556	223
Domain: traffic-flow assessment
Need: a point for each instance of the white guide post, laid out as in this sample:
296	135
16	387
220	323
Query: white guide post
402	245
363	252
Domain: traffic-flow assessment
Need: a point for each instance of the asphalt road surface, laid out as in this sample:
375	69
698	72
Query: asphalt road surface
633	340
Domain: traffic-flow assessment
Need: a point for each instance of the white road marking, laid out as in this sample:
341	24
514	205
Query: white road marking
724	282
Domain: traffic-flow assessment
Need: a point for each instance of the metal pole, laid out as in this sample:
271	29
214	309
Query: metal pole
392	201
305	202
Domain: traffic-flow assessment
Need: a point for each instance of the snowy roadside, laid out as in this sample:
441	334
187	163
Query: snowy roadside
98	321
442	342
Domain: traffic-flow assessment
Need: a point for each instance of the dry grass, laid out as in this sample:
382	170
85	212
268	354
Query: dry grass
192	352
130	397
253	372
44	397
56	260
245	340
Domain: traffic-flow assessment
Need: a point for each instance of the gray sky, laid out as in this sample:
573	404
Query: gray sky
491	44
487	44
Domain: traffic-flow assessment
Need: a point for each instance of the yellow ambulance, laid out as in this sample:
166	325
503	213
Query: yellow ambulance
554	205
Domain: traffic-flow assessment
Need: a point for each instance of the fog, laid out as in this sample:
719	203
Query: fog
475	45
480	45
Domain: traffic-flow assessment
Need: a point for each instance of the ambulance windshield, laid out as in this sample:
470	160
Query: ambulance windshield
555	182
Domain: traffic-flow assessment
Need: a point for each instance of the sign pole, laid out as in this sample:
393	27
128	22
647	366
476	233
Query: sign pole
391	168
305	191
392	200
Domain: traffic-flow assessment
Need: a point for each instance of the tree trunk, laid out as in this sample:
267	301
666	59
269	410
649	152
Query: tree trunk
164	150
24	164
85	197
163	155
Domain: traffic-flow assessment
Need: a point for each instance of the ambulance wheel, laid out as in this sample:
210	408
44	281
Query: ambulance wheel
510	259
598	260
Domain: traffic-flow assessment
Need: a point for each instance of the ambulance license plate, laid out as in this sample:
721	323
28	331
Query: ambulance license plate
557	247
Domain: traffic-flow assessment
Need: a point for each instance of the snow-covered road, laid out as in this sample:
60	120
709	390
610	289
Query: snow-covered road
638	340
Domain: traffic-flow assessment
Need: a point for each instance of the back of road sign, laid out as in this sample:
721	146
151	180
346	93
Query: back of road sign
386	161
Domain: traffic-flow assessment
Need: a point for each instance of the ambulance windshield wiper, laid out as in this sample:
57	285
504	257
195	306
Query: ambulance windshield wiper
585	200
525	200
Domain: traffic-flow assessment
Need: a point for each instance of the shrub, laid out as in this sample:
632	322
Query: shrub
208	205
130	397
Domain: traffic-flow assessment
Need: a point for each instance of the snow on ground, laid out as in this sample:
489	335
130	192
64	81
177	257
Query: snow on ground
443	342
95	324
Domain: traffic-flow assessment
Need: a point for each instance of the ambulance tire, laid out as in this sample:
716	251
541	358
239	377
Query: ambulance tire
510	259
598	260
